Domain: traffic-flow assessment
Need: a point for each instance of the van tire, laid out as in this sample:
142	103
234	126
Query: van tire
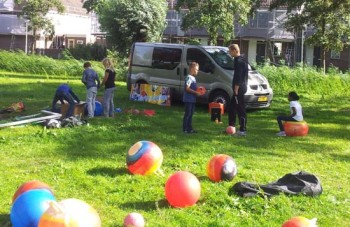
220	97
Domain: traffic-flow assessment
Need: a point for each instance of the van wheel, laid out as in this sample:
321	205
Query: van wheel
220	97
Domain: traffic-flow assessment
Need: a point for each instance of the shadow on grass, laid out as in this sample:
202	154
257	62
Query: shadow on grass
5	220
146	205
107	171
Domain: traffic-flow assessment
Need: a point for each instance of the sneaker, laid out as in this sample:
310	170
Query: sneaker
240	133
193	131
281	133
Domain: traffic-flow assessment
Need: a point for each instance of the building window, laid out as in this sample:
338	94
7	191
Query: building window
260	20
335	54
70	43
80	42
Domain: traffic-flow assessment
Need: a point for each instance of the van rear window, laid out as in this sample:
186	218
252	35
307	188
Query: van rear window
166	58
142	56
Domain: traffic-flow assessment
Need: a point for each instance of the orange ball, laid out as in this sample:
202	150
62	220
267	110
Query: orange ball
295	128
69	213
201	90
182	189
300	222
144	158
30	185
221	167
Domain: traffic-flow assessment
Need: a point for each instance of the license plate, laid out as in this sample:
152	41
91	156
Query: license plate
262	99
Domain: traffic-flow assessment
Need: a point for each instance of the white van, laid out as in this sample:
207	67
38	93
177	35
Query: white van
167	65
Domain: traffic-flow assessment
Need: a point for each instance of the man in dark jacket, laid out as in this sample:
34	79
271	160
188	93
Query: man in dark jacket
239	87
64	92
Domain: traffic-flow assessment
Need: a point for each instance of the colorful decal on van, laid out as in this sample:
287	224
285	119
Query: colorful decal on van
150	93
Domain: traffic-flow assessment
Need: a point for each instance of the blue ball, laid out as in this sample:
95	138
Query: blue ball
98	109
28	207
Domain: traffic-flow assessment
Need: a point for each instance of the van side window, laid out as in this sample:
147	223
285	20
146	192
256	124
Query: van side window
166	58
205	64
142	56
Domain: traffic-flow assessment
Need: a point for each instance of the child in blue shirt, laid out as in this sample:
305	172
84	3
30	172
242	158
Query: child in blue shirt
92	82
189	97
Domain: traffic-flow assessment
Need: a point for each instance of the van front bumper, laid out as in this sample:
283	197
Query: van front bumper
253	101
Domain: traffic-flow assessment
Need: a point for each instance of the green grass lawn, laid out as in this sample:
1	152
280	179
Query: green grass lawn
88	162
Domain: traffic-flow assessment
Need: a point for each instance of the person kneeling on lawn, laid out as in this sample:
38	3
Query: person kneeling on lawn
64	92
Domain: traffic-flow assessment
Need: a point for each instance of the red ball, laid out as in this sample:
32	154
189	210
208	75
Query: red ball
300	222
296	128
182	189
201	90
230	130
221	167
144	158
30	185
134	220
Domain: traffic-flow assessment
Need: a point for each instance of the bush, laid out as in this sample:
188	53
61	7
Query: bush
67	66
307	80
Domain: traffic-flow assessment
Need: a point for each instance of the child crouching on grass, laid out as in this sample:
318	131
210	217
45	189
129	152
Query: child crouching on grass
296	112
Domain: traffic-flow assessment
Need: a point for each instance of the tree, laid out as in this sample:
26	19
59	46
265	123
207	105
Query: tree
35	11
215	16
129	21
329	20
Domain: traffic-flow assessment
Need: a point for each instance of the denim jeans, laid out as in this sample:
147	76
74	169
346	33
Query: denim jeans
60	95
187	120
108	104
90	100
283	118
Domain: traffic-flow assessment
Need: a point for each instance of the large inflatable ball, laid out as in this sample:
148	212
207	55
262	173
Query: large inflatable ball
29	206
221	167
300	222
144	158
98	109
134	220
296	128
182	189
29	185
69	213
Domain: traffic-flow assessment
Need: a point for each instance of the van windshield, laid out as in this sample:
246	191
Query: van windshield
220	56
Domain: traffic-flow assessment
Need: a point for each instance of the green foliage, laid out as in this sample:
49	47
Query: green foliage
306	80
66	67
129	21
215	16
43	65
90	52
329	19
35	11
88	163
193	41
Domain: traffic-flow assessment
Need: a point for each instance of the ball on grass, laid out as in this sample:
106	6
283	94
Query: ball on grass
30	185
98	109
144	158
221	167
182	189
300	222
29	207
134	220
70	212
230	130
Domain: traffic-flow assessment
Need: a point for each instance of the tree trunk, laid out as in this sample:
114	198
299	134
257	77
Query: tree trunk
34	41
324	60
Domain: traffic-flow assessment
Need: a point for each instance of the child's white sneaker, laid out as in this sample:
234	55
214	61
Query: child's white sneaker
281	133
